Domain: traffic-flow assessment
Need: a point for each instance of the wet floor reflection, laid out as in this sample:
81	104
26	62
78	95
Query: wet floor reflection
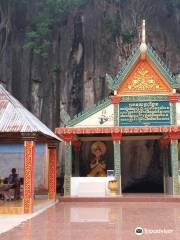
94	221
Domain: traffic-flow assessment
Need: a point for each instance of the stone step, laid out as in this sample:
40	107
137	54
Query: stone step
124	198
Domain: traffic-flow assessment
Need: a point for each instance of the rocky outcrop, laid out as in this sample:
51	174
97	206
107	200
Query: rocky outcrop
90	41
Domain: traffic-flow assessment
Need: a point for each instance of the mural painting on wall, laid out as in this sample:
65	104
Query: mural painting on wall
104	117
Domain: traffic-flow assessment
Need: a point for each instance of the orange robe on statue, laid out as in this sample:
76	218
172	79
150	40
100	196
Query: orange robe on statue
98	168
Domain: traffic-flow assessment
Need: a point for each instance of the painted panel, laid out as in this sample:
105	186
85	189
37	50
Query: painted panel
12	156
39	164
102	118
144	114
144	78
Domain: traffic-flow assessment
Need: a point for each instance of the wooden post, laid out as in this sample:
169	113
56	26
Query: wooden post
28	176
52	172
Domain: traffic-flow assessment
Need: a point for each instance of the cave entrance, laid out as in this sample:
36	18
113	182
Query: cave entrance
141	167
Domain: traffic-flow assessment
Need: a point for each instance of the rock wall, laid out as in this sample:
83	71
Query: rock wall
91	40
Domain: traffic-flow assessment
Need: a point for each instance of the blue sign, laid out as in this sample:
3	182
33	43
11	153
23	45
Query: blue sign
144	113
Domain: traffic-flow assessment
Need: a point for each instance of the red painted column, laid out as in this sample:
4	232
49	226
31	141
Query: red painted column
28	196
115	99
173	98
52	173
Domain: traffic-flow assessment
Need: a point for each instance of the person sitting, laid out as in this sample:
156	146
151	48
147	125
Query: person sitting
4	190
15	181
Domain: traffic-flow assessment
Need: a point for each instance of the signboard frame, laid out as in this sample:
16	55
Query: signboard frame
144	113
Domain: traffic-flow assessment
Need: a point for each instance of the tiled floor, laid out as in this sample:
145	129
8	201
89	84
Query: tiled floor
9	221
16	207
94	221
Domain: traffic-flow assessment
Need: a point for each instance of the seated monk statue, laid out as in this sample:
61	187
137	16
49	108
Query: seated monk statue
97	165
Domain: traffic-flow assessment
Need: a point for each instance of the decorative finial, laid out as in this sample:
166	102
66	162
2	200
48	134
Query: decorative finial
144	31
143	46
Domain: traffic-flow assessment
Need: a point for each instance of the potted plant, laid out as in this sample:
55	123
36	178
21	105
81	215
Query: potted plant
113	186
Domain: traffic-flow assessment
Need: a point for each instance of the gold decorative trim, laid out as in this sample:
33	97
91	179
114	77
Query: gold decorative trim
144	79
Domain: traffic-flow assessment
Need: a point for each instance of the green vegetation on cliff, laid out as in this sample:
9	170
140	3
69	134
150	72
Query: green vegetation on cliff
52	12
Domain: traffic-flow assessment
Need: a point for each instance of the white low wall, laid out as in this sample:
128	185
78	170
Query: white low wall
90	186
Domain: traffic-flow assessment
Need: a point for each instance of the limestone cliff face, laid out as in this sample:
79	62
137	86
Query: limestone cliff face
92	40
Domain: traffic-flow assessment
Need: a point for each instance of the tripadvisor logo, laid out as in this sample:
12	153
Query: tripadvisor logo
139	231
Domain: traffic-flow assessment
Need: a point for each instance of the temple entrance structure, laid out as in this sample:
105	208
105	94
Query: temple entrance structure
139	125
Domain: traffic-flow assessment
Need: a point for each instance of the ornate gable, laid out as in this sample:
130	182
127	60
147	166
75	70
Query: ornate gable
144	78
143	73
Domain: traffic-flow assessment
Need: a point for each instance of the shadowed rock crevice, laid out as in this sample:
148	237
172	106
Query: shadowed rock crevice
142	167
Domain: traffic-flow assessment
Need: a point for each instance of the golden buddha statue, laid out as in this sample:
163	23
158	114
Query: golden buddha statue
97	165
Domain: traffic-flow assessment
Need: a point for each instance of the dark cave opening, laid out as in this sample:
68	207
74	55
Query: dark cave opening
142	167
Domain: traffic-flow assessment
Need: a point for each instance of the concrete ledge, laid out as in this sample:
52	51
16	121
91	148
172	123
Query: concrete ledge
124	198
